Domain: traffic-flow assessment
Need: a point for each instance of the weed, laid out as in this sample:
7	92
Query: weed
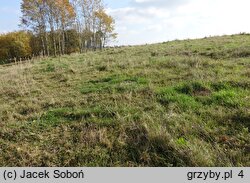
180	103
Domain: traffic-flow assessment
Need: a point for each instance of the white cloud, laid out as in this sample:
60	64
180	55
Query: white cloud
147	21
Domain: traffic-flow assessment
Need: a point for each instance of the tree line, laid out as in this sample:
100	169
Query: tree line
57	27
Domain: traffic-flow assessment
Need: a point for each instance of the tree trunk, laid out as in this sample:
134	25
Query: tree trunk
47	43
63	41
43	45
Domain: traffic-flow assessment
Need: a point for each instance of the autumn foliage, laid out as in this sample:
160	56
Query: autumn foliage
57	27
15	45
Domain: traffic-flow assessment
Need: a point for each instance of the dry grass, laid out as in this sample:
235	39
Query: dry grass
181	103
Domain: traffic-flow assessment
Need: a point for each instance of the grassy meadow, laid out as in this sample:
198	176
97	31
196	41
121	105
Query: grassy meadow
178	103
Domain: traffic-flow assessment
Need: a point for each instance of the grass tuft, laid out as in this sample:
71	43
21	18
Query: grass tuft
180	103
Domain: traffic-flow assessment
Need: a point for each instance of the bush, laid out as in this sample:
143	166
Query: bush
15	45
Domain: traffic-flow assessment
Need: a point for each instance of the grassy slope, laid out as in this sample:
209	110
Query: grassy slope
181	103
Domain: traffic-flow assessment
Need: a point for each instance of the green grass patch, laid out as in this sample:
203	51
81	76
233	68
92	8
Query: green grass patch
228	98
180	103
169	95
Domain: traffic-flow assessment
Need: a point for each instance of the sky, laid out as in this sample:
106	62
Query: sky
152	21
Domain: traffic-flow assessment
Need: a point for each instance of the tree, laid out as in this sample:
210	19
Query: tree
106	27
98	25
61	17
52	23
15	45
71	41
42	15
34	17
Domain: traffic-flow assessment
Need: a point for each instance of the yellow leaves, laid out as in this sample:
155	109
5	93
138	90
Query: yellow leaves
92	24
65	10
106	22
106	26
15	44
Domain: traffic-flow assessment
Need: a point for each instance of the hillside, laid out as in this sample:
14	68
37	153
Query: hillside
179	103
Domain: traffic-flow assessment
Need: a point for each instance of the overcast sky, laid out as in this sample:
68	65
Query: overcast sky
150	21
